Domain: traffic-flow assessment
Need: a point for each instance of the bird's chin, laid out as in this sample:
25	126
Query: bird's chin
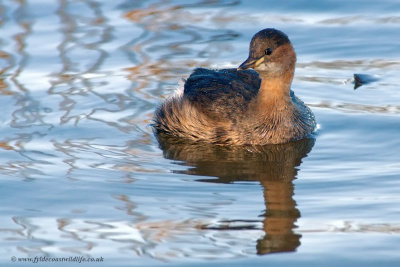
262	68
270	69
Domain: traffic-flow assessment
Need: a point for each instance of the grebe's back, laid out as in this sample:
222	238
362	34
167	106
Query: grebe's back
222	93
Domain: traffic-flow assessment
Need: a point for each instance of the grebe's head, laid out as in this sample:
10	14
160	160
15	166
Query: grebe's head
271	54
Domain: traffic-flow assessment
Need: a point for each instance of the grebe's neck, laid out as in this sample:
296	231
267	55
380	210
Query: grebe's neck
274	89
276	86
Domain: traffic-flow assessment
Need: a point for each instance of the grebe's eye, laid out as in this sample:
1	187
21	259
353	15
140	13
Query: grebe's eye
268	51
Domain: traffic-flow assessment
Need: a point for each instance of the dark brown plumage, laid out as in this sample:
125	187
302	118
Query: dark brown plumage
240	106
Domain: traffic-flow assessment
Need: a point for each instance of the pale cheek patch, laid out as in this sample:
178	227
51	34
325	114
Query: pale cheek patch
270	67
262	67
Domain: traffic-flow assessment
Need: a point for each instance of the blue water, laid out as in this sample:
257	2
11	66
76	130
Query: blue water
82	174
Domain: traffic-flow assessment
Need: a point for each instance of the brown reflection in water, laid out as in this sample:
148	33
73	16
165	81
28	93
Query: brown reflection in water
169	31
27	112
71	80
274	166
27	230
84	245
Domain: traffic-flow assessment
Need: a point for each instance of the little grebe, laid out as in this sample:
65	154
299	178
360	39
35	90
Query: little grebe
241	106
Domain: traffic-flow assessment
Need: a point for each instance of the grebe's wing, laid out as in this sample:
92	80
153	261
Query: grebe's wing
222	93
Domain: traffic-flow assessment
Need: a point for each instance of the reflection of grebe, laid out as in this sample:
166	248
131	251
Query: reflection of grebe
240	106
274	166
